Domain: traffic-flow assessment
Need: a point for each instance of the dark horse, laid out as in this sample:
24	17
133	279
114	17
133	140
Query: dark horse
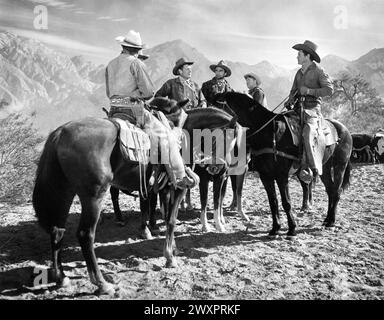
83	158
276	167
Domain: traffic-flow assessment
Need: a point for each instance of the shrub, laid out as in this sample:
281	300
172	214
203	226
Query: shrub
19	143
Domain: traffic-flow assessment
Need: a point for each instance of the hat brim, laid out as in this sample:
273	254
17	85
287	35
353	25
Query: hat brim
301	46
174	71
121	41
227	70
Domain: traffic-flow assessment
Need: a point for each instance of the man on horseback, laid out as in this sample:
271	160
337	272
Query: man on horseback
182	87
217	85
255	91
128	85
310	84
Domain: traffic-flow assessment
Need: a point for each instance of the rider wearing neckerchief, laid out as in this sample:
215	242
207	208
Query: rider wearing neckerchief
217	85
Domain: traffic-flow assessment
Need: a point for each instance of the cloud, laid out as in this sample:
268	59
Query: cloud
120	19
51	3
59	41
104	18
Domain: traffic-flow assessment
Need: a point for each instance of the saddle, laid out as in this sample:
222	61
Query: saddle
134	143
325	135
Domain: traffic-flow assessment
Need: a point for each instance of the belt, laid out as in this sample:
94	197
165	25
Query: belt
123	101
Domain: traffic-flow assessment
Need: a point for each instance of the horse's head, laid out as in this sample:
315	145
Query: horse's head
171	108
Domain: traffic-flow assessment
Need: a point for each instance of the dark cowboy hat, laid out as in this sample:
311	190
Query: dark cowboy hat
179	64
222	65
254	76
309	47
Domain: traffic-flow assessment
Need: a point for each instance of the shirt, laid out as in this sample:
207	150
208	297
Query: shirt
179	89
126	76
316	80
259	96
212	87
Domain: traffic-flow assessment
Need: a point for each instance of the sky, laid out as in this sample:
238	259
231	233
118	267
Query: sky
247	31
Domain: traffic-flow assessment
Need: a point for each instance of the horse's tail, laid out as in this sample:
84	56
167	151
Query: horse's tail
48	192
347	176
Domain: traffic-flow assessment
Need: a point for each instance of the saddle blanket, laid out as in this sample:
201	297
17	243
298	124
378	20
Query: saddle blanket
329	130
134	142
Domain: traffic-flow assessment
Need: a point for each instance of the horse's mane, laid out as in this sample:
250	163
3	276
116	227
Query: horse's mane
246	100
210	111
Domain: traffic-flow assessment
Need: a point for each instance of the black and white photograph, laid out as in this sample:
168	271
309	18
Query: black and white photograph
214	151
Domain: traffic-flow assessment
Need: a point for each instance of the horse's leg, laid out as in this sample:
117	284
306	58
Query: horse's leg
115	202
203	187
217	185
239	194
223	191
286	202
58	275
233	205
188	200
306	206
91	207
170	244
269	186
333	189
145	208
152	213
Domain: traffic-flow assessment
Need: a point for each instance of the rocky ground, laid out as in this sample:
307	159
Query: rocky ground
345	262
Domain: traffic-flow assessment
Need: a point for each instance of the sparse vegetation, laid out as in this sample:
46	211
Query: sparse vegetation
356	104
18	155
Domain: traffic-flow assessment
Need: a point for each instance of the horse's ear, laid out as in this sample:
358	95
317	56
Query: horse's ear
183	103
233	122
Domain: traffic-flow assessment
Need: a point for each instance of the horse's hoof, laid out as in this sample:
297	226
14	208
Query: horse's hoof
190	209
291	235
273	233
244	216
328	224
155	232
171	263
105	289
65	282
146	234
206	228
220	228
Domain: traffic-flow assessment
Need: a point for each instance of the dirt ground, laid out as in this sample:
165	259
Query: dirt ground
344	262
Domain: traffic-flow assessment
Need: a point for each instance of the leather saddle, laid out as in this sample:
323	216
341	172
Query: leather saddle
325	135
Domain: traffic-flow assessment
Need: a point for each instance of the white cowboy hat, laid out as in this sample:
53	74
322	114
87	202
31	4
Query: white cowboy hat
131	39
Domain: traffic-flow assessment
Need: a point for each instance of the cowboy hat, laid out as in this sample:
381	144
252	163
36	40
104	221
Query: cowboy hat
143	56
309	47
179	64
132	39
222	65
254	76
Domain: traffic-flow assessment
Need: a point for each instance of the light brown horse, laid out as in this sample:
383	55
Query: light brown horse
83	158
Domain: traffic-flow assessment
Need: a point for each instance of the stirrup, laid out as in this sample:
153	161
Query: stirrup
306	175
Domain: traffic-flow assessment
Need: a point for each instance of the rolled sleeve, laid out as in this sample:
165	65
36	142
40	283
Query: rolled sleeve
144	82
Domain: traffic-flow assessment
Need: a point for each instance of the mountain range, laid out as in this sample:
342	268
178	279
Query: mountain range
54	88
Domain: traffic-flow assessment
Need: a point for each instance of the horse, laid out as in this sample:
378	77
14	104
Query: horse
270	140
83	158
